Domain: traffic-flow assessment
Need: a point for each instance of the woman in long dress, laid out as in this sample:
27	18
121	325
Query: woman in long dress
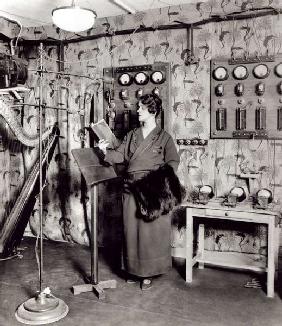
146	247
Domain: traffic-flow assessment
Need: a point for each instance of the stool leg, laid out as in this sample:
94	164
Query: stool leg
201	244
189	245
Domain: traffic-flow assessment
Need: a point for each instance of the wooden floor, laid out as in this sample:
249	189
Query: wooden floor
216	297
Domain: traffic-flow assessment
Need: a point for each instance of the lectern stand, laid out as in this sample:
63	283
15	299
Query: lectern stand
94	173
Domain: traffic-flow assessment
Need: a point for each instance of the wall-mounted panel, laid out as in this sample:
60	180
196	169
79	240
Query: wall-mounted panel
123	86
246	98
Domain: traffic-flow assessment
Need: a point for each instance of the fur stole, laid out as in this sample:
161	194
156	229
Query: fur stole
157	193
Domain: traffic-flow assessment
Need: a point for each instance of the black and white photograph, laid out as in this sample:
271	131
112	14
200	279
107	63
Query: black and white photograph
141	154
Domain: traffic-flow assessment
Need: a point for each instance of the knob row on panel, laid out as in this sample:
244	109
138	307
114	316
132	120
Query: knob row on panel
194	141
239	89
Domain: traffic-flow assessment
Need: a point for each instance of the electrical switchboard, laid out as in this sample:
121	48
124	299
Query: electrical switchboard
123	86
246	98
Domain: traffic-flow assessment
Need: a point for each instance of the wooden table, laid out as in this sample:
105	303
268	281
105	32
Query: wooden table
240	213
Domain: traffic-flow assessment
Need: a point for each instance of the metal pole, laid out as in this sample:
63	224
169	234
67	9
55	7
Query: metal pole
94	244
40	169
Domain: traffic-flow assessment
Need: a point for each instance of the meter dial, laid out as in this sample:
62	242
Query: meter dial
157	77
141	78
261	71
278	69
220	73
240	72
125	79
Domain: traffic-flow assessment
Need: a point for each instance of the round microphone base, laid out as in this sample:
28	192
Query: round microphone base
43	309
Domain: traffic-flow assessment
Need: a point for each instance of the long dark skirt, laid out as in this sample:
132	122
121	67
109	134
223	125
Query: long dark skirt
147	245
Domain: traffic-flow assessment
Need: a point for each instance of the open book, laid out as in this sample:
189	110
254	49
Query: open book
103	131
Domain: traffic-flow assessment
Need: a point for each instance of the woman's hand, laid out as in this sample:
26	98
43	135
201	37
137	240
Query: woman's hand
103	144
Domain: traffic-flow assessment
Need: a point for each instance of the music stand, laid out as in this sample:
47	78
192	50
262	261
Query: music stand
94	172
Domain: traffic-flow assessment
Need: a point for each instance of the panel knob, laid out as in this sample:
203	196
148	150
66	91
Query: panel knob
239	89
260	89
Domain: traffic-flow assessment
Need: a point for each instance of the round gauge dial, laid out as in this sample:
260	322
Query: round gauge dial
157	77
220	73
141	78
239	193
261	71
278	69
240	72
125	79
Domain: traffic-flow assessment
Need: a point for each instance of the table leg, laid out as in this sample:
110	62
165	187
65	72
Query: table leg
277	244
271	258
189	245
201	244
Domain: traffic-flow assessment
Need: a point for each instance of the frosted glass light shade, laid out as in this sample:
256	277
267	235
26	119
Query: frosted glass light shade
73	18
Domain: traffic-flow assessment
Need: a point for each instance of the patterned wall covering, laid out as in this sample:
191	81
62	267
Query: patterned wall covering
66	201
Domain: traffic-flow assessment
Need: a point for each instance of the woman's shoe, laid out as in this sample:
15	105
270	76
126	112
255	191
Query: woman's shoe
131	281
146	284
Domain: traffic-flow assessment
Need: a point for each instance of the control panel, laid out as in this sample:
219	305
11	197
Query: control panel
246	98
123	86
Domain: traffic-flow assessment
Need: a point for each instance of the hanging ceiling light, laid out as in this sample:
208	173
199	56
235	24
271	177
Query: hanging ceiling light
73	18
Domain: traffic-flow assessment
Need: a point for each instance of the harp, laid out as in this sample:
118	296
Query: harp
14	224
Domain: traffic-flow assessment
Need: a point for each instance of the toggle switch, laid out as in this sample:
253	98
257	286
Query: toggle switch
260	89
219	90
239	89
279	88
124	94
139	92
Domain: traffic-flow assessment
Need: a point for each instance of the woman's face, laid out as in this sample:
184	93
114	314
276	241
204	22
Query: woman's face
143	113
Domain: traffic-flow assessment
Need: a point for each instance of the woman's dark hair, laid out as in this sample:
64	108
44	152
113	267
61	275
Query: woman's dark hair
153	102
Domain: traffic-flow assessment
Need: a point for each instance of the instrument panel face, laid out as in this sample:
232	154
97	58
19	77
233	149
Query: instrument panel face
123	86
261	71
278	69
141	78
220	73
125	79
158	77
246	99
240	72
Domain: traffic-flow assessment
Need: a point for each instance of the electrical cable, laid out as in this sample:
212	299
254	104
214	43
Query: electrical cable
90	59
12	257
